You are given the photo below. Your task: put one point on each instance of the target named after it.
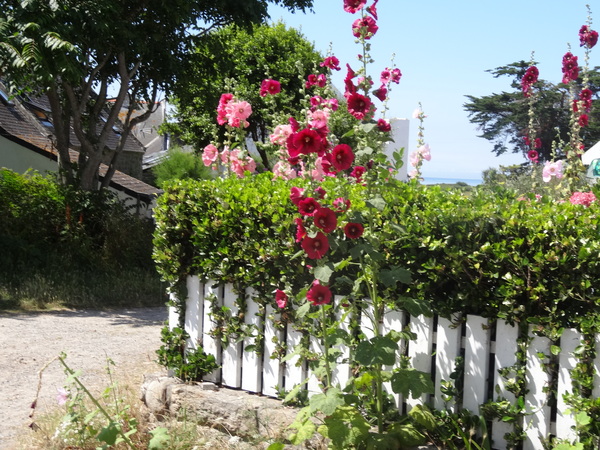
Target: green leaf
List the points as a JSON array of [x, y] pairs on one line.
[[378, 350], [276, 446], [407, 434], [323, 273], [555, 350], [160, 438], [424, 417], [391, 277], [109, 434], [414, 306], [415, 382], [376, 202], [346, 427], [304, 425], [327, 402], [303, 310]]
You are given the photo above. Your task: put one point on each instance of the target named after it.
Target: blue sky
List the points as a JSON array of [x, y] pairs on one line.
[[443, 49]]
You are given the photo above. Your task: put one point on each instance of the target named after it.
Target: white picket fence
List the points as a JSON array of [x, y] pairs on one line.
[[439, 342]]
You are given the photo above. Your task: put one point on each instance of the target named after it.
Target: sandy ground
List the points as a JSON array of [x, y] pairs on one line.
[[29, 341]]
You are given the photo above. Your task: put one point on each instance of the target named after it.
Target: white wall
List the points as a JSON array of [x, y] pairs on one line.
[[400, 128]]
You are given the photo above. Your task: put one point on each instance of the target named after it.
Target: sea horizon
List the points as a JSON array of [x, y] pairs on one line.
[[440, 180]]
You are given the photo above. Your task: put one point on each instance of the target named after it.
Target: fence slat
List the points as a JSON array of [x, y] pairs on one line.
[[209, 343], [505, 356], [295, 373], [272, 373], [477, 354], [341, 374], [419, 351], [448, 346], [251, 362], [537, 424], [194, 308], [596, 390], [569, 341], [392, 321], [232, 361]]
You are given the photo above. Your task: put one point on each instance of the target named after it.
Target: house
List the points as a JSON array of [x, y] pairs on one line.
[[26, 142]]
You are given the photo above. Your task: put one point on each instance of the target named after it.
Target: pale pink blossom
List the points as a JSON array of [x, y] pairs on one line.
[[282, 169], [280, 134], [62, 396], [552, 169], [318, 118], [413, 173], [425, 152], [237, 113], [414, 159], [209, 154]]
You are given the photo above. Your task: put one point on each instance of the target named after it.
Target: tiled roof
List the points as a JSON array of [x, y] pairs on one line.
[[19, 125]]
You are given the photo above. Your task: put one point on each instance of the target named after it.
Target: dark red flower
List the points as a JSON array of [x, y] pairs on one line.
[[358, 172], [300, 230], [304, 142], [325, 219], [531, 76], [354, 230], [584, 120], [570, 68], [365, 27], [307, 206], [281, 298], [269, 86], [359, 105], [341, 204], [320, 192], [373, 9], [318, 294], [587, 38], [533, 156], [316, 247], [381, 93], [296, 194], [384, 126], [342, 157], [352, 6], [331, 62]]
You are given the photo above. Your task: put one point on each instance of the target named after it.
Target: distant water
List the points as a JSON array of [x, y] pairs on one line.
[[469, 181]]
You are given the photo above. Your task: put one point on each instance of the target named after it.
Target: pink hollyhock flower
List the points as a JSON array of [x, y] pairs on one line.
[[269, 86], [381, 93], [349, 85], [531, 76], [583, 120], [318, 118], [425, 152], [533, 156], [341, 204], [209, 154], [296, 194], [582, 198], [587, 37], [413, 173], [325, 219], [237, 113], [308, 206], [221, 112], [552, 169], [354, 230], [384, 126], [319, 172], [396, 75], [282, 169], [414, 158], [537, 143], [342, 157], [62, 396], [359, 105], [250, 165], [294, 124], [281, 298], [358, 172], [373, 9], [316, 101], [365, 27], [311, 80], [318, 294], [333, 104], [320, 192], [280, 134], [386, 76], [316, 247], [331, 62], [300, 230], [352, 6], [304, 142]]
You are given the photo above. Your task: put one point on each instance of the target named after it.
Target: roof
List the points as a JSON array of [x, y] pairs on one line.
[[591, 154], [22, 126]]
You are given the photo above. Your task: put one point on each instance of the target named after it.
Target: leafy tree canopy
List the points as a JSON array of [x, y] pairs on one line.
[[74, 50], [235, 59], [504, 118]]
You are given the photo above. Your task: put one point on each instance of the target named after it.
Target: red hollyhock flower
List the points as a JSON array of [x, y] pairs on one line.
[[530, 77], [359, 105], [354, 230], [325, 219], [358, 172], [269, 86], [320, 192], [318, 294], [352, 6], [533, 156], [306, 141], [537, 143], [331, 62], [396, 75], [365, 28], [281, 298], [587, 38], [308, 206], [381, 93], [584, 120], [316, 247], [373, 9], [341, 204], [300, 230], [296, 194], [342, 157], [384, 126], [570, 68]]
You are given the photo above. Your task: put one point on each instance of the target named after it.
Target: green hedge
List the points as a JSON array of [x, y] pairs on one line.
[[480, 253]]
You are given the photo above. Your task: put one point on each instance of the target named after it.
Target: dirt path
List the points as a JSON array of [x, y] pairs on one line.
[[28, 341]]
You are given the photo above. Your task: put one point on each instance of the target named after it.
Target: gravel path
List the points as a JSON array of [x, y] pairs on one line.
[[28, 341]]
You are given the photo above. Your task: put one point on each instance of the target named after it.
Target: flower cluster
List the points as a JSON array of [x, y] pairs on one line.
[[582, 198], [233, 112], [570, 68], [235, 159], [552, 169], [588, 38], [529, 79], [423, 152]]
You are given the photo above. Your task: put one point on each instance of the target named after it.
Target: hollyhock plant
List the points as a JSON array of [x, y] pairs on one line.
[[396, 75], [342, 157], [325, 219], [331, 62], [270, 87], [570, 68], [281, 298], [237, 112], [352, 6], [529, 79], [354, 230], [552, 169], [315, 247], [359, 106], [364, 28], [319, 294], [588, 38]]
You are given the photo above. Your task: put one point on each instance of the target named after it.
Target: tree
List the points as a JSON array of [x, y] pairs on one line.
[[77, 51], [504, 118], [238, 59]]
